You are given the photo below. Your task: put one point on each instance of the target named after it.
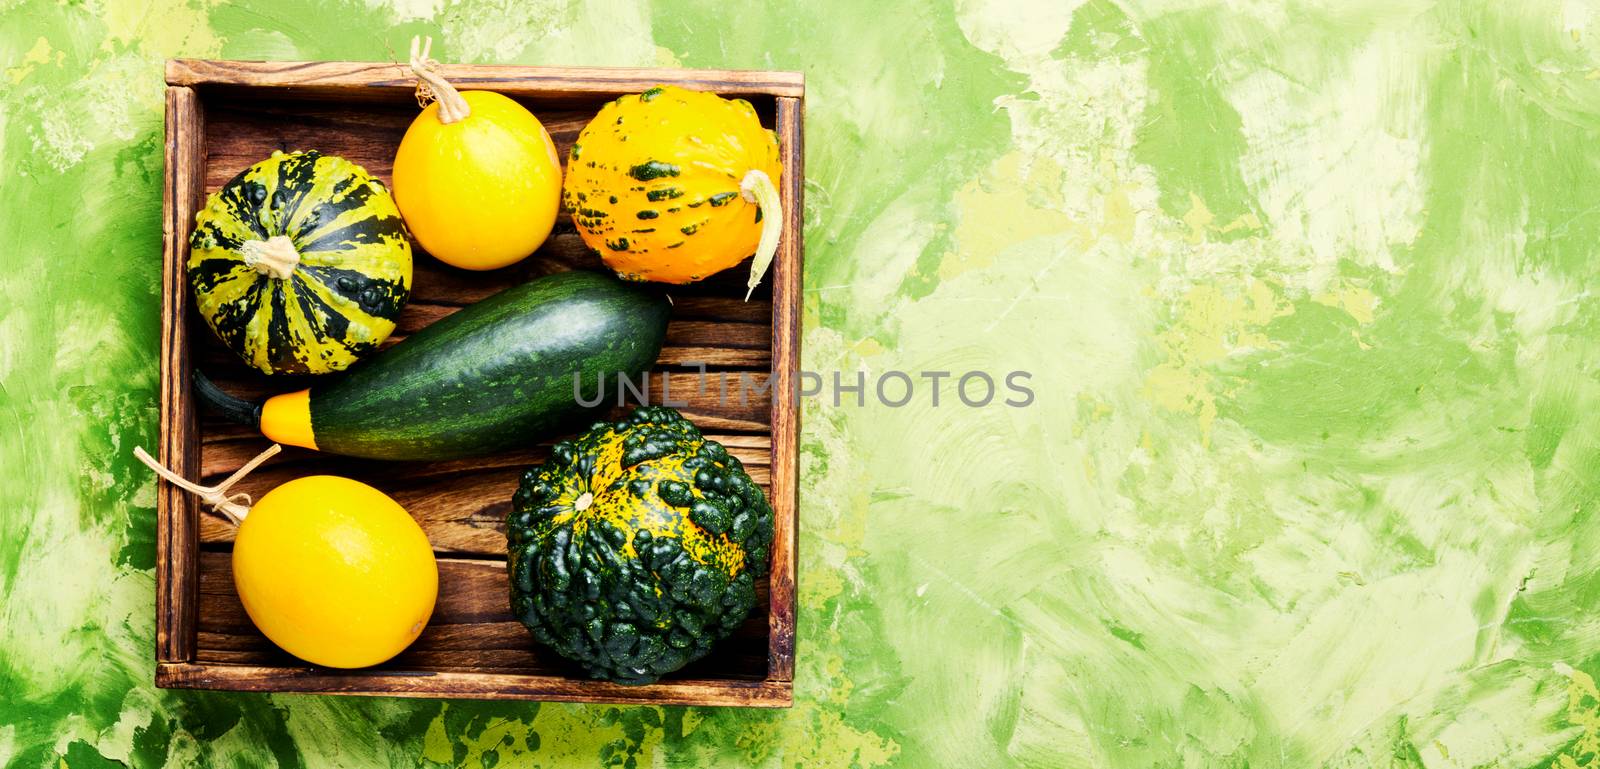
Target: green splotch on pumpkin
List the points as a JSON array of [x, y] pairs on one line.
[[652, 169]]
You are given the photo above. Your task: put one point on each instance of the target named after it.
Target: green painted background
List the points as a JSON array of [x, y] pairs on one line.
[[1308, 290]]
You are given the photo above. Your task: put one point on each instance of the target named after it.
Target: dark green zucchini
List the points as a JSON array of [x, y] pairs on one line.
[[495, 375]]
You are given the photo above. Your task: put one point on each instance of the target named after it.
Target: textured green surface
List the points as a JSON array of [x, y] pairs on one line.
[[1308, 294], [485, 378], [637, 547]]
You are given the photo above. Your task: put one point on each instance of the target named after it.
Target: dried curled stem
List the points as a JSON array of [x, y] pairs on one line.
[[234, 506], [432, 85]]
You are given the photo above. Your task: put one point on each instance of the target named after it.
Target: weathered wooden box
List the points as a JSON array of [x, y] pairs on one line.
[[223, 116]]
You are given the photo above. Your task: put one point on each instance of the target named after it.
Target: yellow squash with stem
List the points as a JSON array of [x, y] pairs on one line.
[[674, 186], [331, 570], [476, 176]]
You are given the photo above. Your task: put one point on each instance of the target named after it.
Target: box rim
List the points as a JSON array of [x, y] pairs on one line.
[[516, 78], [186, 672], [699, 692]]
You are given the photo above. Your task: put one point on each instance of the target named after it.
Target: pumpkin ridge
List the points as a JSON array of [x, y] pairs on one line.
[[350, 208], [371, 229], [236, 202], [336, 324], [277, 351], [230, 322], [391, 294], [637, 587], [336, 216], [295, 177]]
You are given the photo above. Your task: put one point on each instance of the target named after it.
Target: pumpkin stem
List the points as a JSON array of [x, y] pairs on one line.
[[274, 256], [216, 496], [758, 188], [452, 108]]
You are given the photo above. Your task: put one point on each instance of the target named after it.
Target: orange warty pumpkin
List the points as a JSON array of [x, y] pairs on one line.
[[674, 186]]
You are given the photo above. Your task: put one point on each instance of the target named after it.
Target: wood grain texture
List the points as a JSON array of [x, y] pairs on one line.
[[784, 471], [476, 685], [718, 344], [473, 647], [471, 629], [176, 510], [351, 79], [461, 505]]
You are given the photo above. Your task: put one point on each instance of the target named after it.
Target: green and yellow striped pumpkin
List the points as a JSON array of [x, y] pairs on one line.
[[301, 263]]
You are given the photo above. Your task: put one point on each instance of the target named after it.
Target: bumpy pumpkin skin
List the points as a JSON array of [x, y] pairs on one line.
[[653, 183], [353, 278], [637, 546]]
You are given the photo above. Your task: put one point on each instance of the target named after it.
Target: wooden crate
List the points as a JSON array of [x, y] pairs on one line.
[[223, 116]]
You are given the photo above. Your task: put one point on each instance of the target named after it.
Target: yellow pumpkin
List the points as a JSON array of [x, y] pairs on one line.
[[331, 570], [335, 572], [673, 185], [476, 177]]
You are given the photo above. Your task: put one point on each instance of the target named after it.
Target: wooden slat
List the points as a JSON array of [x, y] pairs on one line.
[[228, 446], [461, 505], [724, 358], [472, 592], [753, 336], [352, 78], [179, 447], [786, 298], [724, 308], [484, 686], [471, 629], [438, 283], [716, 340], [714, 357]]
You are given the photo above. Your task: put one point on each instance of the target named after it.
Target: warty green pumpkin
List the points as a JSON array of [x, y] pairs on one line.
[[637, 546], [300, 264]]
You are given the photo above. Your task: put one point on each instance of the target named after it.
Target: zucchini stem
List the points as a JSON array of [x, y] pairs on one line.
[[452, 108], [236, 410], [758, 188], [232, 506]]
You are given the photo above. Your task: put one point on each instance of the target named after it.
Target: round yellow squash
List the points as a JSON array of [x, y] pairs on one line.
[[334, 572], [331, 570], [673, 185], [476, 176]]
